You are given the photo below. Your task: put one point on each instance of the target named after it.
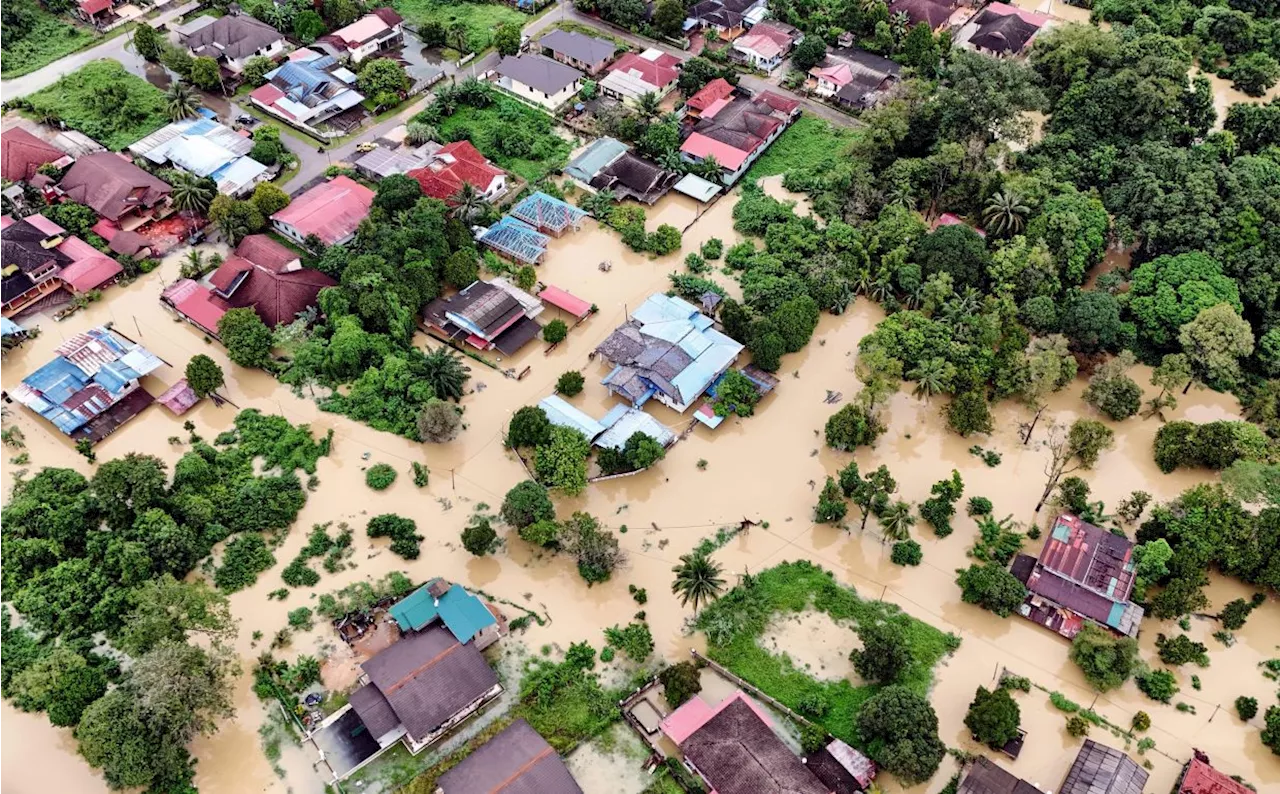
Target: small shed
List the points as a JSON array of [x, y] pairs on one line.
[[179, 398], [697, 188], [561, 299], [841, 768]]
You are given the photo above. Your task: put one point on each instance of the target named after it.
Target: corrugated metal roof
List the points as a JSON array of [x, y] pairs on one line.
[[697, 188], [599, 154], [562, 414], [237, 175], [629, 422], [464, 614]]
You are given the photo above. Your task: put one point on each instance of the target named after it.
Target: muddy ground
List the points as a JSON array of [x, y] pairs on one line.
[[762, 468]]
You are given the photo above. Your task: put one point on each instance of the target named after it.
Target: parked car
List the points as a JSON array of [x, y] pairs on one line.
[[367, 146]]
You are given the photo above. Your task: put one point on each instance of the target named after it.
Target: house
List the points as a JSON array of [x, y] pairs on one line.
[[538, 79], [733, 748], [516, 761], [1001, 30], [456, 164], [854, 78], [331, 211], [374, 32], [262, 275], [634, 75], [439, 602], [179, 398], [766, 45], [842, 769], [22, 154], [487, 315], [623, 421], [726, 17], [1199, 777], [233, 39], [933, 13], [566, 302], [116, 189], [548, 214], [204, 147], [710, 99], [737, 132], [95, 12], [585, 53], [1098, 769], [668, 350], [308, 89], [91, 387], [608, 165], [561, 413], [413, 692], [1084, 573], [39, 259], [385, 161]]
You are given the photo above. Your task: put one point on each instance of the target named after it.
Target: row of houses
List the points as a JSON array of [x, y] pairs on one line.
[[998, 29]]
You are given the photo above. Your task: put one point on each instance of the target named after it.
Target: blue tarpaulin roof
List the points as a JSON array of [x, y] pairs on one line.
[[461, 612]]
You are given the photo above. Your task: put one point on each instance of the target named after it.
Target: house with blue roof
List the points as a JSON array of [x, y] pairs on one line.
[[92, 386], [668, 350], [307, 90], [203, 147], [468, 618]]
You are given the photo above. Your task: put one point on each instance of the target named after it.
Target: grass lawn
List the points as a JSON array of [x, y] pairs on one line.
[[103, 101], [50, 38], [735, 623], [480, 19], [489, 127], [586, 30], [810, 142]]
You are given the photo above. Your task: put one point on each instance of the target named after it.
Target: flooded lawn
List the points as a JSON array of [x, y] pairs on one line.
[[816, 644], [611, 764], [758, 468]]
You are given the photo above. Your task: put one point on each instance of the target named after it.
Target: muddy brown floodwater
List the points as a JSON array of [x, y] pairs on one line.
[[760, 468]]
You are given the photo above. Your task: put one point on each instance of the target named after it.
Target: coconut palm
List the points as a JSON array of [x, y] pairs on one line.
[[899, 25], [456, 37], [467, 201], [708, 169], [697, 579], [932, 376], [897, 521], [180, 101], [444, 371], [901, 195], [1005, 213], [190, 193], [648, 105], [671, 161], [418, 133]]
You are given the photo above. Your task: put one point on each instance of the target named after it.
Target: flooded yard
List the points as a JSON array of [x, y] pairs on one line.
[[760, 468]]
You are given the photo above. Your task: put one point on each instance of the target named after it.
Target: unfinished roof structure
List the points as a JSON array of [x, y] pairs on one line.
[[1083, 573], [516, 239], [668, 350], [548, 214], [734, 749], [486, 315], [91, 387], [516, 761]]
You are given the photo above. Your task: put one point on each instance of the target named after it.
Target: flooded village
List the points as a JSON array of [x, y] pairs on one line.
[[483, 661]]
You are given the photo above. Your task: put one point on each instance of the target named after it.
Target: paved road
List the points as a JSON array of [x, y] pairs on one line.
[[120, 48]]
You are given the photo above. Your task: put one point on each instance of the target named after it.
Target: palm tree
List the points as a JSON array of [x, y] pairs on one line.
[[698, 580], [709, 168], [467, 201], [180, 101], [444, 371], [901, 195], [897, 521], [457, 38], [932, 376], [648, 106], [418, 133], [671, 161], [190, 194], [1005, 213], [899, 25]]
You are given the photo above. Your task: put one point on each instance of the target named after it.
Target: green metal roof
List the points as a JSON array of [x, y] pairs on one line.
[[461, 612]]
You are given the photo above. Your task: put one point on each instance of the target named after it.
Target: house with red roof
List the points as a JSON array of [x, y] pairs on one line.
[[262, 275], [454, 165], [1199, 777], [39, 260], [710, 98], [95, 12], [331, 211], [379, 30], [737, 132], [766, 45], [636, 74], [831, 78], [116, 189], [22, 154]]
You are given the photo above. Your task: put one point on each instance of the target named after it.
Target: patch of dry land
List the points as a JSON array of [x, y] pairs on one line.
[[758, 468]]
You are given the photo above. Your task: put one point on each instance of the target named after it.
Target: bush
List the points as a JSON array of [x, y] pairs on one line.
[[993, 717], [525, 504], [301, 618], [402, 531], [1181, 649], [851, 427], [813, 705], [680, 682], [664, 240], [1107, 661], [570, 383], [1078, 726], [555, 331], [1271, 733], [1246, 707], [478, 536], [991, 587], [421, 474], [1141, 721], [540, 533], [1213, 445], [832, 507], [884, 654], [380, 476], [712, 249], [906, 552], [1157, 684], [979, 506], [243, 559], [635, 640]]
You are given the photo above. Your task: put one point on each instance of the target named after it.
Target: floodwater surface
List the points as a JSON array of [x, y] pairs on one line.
[[765, 468]]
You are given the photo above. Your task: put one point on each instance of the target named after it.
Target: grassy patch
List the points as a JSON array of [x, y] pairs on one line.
[[808, 143], [103, 101], [735, 623], [565, 704], [586, 30], [49, 39], [485, 127], [480, 19]]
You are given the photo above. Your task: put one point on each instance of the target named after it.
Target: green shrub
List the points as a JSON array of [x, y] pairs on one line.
[[1078, 726], [906, 552], [402, 531], [301, 618], [570, 383], [243, 559], [680, 682], [1157, 684], [1246, 707], [421, 475], [555, 331], [634, 640], [979, 506], [1141, 721], [380, 476], [712, 249]]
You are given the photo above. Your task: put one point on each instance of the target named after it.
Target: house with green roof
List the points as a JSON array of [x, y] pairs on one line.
[[468, 618]]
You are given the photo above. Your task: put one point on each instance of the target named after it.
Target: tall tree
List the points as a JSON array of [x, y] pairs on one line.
[[1076, 449], [698, 579]]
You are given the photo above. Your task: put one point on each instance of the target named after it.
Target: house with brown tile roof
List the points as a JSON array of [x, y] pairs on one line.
[[39, 260], [233, 39], [516, 761], [487, 315], [736, 132], [456, 164], [115, 188], [22, 154]]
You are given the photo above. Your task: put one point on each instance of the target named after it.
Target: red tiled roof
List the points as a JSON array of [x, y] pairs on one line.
[[839, 74], [717, 89], [92, 7], [700, 146], [76, 248], [659, 72], [278, 297], [442, 179], [228, 271], [388, 15], [331, 211], [777, 101], [43, 224], [200, 309], [766, 40], [1201, 778], [263, 251], [91, 273], [22, 153]]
